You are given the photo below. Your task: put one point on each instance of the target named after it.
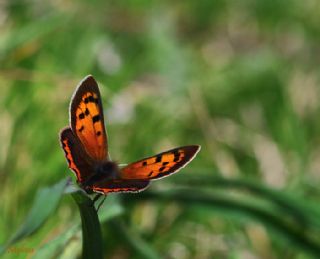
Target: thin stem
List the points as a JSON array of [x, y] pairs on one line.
[[91, 230]]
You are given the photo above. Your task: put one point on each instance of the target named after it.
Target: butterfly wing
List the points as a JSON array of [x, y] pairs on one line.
[[79, 162], [85, 143], [120, 185], [82, 165], [160, 165], [86, 116]]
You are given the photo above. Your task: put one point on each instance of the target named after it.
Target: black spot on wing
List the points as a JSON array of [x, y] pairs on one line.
[[165, 163], [162, 168], [98, 133], [87, 112], [144, 163], [91, 99], [96, 118], [158, 159], [81, 129], [176, 156], [81, 116]]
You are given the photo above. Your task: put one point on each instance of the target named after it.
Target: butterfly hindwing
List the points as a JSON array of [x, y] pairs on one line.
[[120, 185], [160, 165], [78, 160], [86, 116]]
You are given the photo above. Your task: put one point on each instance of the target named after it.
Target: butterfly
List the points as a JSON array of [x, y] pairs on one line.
[[85, 145]]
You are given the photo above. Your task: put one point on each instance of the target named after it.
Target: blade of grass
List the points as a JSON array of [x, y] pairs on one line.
[[143, 249], [45, 203], [277, 222], [55, 247], [91, 230], [304, 213]]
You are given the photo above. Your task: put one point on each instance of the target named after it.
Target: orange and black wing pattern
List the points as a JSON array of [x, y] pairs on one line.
[[86, 119], [161, 165], [79, 162], [86, 149], [83, 167], [119, 185]]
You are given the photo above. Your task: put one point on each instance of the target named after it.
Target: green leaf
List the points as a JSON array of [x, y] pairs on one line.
[[55, 246], [109, 210], [45, 203]]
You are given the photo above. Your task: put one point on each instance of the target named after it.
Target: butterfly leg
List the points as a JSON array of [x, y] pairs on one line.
[[96, 198], [102, 201]]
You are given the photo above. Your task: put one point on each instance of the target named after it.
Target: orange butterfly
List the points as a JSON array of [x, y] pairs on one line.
[[86, 149]]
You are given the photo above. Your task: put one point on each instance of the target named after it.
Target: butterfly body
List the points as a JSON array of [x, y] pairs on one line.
[[102, 171], [86, 149]]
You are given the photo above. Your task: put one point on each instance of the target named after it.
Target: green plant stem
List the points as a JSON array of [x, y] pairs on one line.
[[91, 230]]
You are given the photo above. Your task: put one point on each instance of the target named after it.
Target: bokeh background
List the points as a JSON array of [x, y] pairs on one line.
[[240, 78]]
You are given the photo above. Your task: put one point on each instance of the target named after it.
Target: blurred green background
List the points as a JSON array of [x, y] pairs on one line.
[[240, 78]]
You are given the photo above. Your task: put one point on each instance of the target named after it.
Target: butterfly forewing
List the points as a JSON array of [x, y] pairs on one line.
[[160, 165], [87, 122], [79, 162]]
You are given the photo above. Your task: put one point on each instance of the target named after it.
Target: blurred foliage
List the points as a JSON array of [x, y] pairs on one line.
[[239, 78]]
